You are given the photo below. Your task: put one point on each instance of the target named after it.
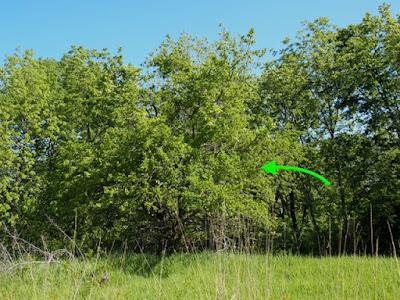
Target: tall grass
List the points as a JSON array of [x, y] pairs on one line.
[[203, 276], [31, 272]]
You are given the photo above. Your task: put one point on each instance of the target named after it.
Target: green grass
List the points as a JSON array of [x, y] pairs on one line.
[[205, 276]]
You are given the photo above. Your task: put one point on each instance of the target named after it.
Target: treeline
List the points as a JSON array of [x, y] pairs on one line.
[[94, 151]]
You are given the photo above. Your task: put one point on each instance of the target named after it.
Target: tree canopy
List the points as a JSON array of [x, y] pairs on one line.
[[168, 156]]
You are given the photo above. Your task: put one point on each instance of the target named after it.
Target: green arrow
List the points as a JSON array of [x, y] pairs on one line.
[[272, 167]]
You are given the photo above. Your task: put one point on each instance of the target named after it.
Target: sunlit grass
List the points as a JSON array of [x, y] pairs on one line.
[[205, 276]]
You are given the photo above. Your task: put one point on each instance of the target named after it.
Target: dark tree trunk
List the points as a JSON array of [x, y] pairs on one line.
[[295, 228]]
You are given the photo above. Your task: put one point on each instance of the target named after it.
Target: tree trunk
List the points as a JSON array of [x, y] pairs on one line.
[[295, 228]]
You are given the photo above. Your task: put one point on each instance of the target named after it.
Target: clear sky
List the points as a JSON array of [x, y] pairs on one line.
[[51, 27]]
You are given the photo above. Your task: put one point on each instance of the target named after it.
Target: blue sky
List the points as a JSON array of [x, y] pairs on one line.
[[51, 27]]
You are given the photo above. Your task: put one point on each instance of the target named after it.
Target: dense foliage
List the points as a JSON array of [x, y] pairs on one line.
[[167, 156]]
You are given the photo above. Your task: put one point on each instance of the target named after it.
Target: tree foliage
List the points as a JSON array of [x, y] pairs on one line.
[[168, 157]]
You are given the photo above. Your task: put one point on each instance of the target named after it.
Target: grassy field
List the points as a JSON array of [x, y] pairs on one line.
[[203, 276]]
